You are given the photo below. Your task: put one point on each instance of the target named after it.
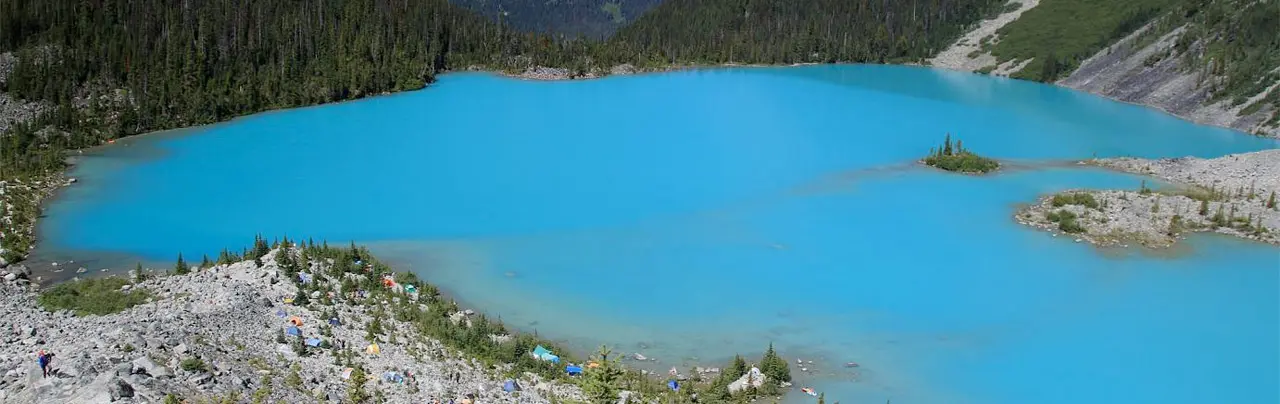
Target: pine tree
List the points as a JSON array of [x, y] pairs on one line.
[[355, 386], [205, 263], [181, 267], [601, 385], [774, 366], [138, 275], [738, 368], [946, 145], [822, 398], [260, 247], [1271, 201], [1204, 207], [224, 258]]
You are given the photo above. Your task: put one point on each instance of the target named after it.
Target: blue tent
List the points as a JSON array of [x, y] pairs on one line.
[[281, 313], [673, 385], [573, 370], [510, 386], [304, 277], [545, 354], [334, 321], [294, 331], [313, 342]]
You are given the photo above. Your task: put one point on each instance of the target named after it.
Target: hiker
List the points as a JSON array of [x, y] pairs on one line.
[[43, 358]]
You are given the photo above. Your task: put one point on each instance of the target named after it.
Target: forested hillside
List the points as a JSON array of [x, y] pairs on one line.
[[792, 31], [154, 64], [594, 19]]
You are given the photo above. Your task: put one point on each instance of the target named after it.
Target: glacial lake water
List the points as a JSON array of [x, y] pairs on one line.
[[697, 214]]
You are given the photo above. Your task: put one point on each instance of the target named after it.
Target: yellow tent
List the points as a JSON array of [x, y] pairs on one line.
[[373, 349]]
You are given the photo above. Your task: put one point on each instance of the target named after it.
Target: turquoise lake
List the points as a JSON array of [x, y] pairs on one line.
[[697, 214]]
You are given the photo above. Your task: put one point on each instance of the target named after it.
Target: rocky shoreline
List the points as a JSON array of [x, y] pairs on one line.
[[232, 318], [20, 204], [1233, 195]]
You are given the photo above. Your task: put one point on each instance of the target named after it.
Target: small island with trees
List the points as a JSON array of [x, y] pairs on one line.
[[957, 158]]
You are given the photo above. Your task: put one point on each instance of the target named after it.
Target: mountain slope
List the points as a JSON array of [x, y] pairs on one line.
[[589, 18], [1211, 61], [795, 31]]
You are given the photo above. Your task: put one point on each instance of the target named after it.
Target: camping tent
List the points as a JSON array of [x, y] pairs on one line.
[[545, 354], [313, 342], [304, 277], [573, 370], [393, 377], [673, 385], [334, 321], [510, 386], [346, 373], [294, 331], [373, 349], [295, 320], [410, 289], [281, 313]]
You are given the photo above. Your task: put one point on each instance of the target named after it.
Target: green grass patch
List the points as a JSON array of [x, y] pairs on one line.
[[1075, 198], [92, 296], [1059, 34]]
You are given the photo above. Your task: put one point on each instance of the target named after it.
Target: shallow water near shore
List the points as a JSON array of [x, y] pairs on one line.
[[693, 215]]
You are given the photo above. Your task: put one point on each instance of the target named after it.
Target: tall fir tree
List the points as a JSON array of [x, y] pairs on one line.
[[602, 383], [181, 266]]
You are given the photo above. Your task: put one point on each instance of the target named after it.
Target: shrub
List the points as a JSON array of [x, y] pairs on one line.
[[1059, 215], [194, 364], [92, 296], [1069, 225], [1075, 198]]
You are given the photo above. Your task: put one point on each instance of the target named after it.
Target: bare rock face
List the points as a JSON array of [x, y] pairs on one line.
[[1154, 75]]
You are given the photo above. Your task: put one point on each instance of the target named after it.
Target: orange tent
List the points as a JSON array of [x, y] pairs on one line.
[[592, 365], [295, 320]]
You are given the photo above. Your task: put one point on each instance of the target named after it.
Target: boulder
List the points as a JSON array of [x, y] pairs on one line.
[[11, 277], [753, 378], [119, 389], [202, 379], [145, 366]]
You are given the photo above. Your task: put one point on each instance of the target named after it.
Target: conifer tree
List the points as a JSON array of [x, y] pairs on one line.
[[946, 145], [738, 368], [355, 386], [138, 275], [1204, 207], [181, 267], [1271, 201], [602, 382], [204, 262], [774, 366]]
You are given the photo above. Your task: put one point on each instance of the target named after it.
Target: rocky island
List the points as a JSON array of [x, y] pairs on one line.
[[1233, 194], [958, 159]]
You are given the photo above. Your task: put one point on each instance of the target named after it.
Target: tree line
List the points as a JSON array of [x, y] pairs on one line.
[[114, 68]]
